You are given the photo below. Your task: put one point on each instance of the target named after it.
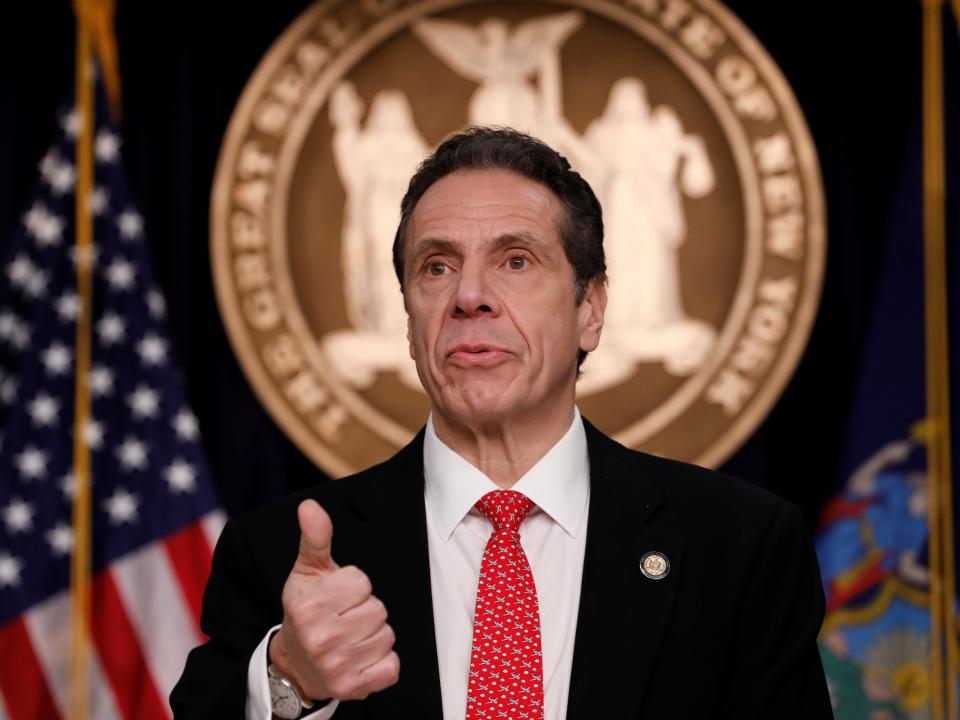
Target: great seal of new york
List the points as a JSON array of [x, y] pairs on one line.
[[681, 121]]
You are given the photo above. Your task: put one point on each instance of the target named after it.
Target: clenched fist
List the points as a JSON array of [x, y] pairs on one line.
[[335, 641]]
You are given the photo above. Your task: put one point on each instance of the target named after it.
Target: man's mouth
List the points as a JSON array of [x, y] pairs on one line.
[[476, 355]]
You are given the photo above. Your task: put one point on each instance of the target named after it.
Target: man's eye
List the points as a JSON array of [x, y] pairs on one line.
[[437, 268], [517, 262]]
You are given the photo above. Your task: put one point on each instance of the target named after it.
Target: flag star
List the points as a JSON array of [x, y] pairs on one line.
[[45, 227], [61, 539], [18, 516], [32, 463], [156, 303], [62, 178], [71, 122], [43, 410], [186, 425], [68, 486], [144, 402], [8, 390], [10, 568], [101, 381], [120, 274], [36, 285], [20, 270], [35, 215], [93, 434], [8, 324], [21, 336], [57, 358], [49, 163], [130, 225], [132, 454], [50, 231], [106, 146], [152, 350], [68, 306], [24, 273], [121, 507], [181, 476], [111, 328], [99, 201]]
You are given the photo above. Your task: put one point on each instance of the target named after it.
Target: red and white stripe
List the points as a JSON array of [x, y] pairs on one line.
[[146, 618]]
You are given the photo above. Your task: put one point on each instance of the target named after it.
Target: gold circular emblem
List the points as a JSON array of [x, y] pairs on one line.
[[654, 565], [683, 125]]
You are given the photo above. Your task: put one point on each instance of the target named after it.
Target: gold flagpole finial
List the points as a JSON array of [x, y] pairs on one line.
[[98, 17]]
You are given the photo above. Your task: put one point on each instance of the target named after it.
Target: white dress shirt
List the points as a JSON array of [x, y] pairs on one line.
[[553, 537]]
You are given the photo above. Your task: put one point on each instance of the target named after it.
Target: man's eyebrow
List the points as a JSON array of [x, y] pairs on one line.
[[433, 245], [520, 238]]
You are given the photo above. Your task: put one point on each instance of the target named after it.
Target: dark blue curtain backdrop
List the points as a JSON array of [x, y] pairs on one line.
[[855, 67]]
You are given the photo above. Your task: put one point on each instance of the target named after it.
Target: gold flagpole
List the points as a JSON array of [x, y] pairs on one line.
[[80, 566], [944, 656], [95, 36]]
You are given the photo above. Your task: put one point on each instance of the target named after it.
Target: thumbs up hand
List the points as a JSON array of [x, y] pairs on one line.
[[334, 641]]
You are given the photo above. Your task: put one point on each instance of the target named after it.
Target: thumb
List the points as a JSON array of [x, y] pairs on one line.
[[316, 532]]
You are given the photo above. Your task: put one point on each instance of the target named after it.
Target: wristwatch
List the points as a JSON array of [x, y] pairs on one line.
[[285, 699]]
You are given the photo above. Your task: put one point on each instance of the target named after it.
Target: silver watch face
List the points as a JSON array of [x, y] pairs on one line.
[[283, 700]]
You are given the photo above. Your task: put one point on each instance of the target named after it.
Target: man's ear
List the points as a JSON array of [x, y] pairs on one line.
[[409, 336], [590, 313]]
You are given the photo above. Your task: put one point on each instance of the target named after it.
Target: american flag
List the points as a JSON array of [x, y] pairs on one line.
[[155, 514]]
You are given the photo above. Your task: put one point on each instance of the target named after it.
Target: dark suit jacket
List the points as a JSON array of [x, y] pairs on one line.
[[730, 632]]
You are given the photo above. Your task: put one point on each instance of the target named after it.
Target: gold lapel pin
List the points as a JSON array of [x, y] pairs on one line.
[[655, 565]]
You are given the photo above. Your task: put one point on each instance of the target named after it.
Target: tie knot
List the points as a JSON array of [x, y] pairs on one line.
[[505, 509]]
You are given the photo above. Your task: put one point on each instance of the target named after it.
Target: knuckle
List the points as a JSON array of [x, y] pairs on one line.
[[393, 667], [295, 614], [390, 636], [347, 688], [338, 689], [331, 666], [348, 573], [379, 609], [320, 642], [358, 580], [330, 586]]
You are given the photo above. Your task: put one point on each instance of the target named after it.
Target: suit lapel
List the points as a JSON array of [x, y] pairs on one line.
[[400, 569], [622, 613]]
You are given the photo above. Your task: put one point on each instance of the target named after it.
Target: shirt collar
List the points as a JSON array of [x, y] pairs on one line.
[[558, 484]]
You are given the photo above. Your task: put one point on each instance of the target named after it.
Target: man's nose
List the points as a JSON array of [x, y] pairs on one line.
[[474, 294]]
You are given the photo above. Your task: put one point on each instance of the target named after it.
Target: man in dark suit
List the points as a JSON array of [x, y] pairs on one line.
[[639, 587]]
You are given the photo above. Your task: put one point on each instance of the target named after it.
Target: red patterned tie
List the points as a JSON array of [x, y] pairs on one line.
[[506, 665]]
